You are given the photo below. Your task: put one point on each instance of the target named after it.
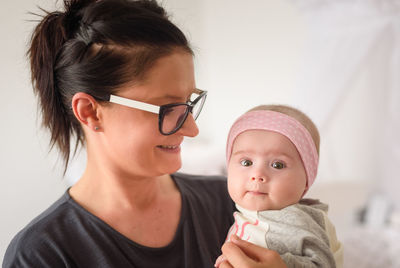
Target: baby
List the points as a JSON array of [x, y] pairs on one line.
[[272, 161]]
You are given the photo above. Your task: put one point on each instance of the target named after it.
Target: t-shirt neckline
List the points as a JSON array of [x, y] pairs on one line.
[[178, 231]]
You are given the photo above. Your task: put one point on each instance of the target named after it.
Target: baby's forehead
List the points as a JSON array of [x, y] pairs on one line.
[[259, 136], [262, 141]]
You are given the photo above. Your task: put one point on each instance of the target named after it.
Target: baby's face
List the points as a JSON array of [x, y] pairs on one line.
[[265, 171]]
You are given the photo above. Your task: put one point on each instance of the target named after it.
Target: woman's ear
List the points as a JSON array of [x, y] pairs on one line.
[[85, 109]]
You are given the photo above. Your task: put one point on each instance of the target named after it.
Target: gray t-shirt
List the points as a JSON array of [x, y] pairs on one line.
[[67, 235]]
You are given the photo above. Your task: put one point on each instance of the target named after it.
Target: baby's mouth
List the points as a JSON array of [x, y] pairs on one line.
[[256, 193]]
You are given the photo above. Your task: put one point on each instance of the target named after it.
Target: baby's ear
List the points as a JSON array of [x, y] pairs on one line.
[[305, 190]]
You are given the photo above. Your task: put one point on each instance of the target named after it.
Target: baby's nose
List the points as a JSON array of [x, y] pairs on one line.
[[259, 179]]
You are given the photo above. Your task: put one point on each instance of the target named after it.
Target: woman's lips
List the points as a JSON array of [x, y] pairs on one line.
[[170, 148]]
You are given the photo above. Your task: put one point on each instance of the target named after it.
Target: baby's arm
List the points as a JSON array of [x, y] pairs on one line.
[[302, 236], [315, 253]]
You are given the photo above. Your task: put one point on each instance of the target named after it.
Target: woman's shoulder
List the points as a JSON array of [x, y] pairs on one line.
[[41, 243], [52, 214], [41, 237]]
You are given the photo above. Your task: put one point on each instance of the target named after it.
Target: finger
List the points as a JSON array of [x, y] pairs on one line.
[[225, 264], [219, 260], [257, 253], [235, 256]]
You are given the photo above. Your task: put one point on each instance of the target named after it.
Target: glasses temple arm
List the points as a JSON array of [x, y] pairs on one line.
[[135, 104]]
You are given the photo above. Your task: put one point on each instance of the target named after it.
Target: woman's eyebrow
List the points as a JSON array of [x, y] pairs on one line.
[[174, 98], [170, 98]]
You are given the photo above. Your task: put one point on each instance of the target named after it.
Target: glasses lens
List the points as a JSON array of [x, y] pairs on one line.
[[198, 106], [174, 116]]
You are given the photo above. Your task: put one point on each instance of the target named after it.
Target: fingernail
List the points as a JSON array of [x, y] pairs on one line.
[[235, 238], [219, 261]]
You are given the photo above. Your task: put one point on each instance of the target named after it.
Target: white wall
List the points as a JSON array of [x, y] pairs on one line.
[[29, 179], [245, 55]]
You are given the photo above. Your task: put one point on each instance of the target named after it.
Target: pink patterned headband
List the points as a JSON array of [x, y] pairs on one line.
[[285, 125]]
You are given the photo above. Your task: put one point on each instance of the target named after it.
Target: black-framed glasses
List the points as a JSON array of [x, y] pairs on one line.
[[171, 117]]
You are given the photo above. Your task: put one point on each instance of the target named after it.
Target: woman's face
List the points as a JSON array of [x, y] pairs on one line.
[[265, 171], [131, 138]]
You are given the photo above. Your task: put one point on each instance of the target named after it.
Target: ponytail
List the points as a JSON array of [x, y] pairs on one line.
[[47, 41]]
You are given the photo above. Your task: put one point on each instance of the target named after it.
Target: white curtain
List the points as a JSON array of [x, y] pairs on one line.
[[354, 45]]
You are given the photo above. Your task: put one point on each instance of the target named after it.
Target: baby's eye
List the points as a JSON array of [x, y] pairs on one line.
[[278, 165], [246, 163]]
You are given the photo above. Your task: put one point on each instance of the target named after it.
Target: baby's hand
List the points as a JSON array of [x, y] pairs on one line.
[[219, 260]]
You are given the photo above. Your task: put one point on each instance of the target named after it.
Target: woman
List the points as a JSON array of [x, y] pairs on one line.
[[117, 76]]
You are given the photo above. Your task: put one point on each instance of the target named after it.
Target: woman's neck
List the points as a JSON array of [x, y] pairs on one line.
[[144, 209], [102, 189]]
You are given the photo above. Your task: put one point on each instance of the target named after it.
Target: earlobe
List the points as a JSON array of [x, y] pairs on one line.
[[305, 191], [85, 109]]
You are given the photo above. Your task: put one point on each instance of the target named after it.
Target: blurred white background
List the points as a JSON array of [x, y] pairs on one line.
[[336, 60]]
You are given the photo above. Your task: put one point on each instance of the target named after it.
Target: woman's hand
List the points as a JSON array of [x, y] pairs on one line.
[[242, 254]]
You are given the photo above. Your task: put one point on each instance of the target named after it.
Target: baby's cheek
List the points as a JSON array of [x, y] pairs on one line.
[[235, 191], [291, 195]]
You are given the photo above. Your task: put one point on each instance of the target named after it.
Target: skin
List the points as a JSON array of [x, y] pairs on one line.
[[126, 181], [265, 171]]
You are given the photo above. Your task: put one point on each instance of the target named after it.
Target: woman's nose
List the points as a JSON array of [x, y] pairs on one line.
[[189, 127]]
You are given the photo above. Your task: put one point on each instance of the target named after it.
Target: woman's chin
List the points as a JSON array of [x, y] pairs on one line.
[[172, 166]]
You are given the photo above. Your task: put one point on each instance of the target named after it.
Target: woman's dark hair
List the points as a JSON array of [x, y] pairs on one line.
[[96, 47]]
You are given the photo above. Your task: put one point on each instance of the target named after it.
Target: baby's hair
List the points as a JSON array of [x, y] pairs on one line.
[[296, 114]]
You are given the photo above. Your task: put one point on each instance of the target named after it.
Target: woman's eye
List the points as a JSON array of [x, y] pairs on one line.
[[278, 165], [246, 163], [168, 110]]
